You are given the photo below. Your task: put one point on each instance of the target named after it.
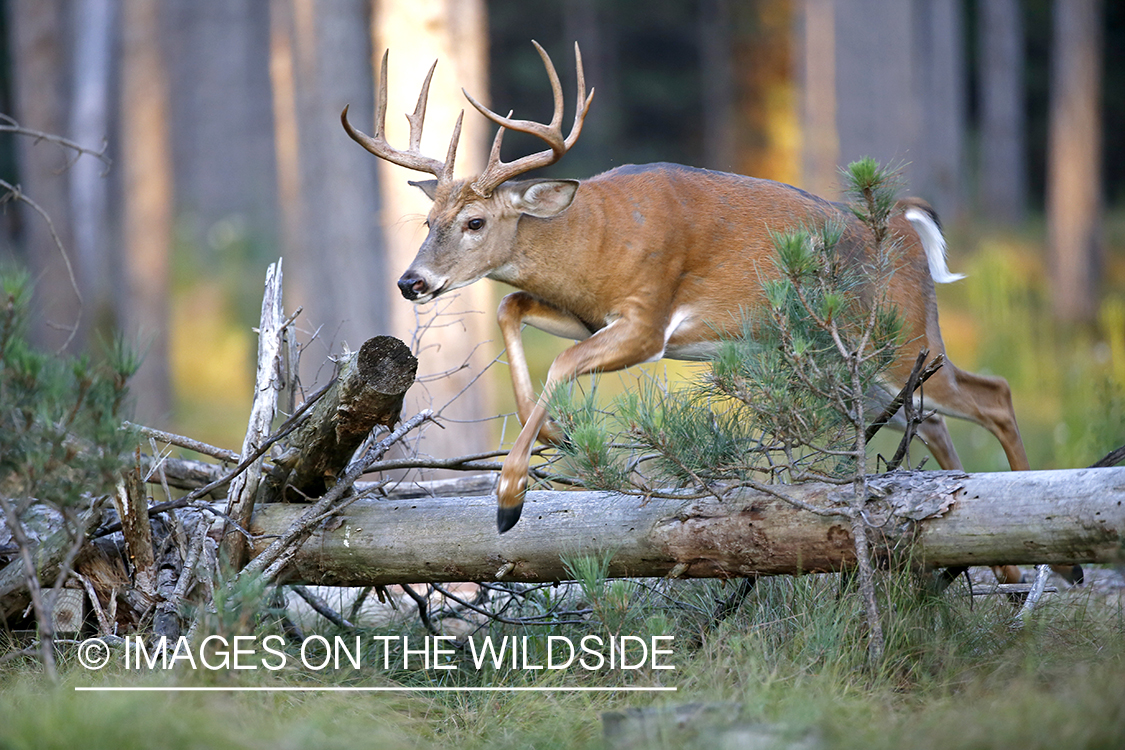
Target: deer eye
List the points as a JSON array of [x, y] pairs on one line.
[[475, 224]]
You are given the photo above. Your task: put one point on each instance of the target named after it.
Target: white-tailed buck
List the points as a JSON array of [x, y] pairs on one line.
[[644, 262]]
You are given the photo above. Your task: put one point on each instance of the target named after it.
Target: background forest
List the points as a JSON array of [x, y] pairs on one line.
[[203, 142], [220, 124]]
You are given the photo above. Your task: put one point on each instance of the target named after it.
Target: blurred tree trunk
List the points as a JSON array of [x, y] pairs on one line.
[[450, 334], [95, 27], [885, 80], [877, 109], [39, 36], [821, 141], [716, 67], [146, 231], [221, 121], [1074, 199], [1003, 157], [584, 21], [936, 171], [320, 61]]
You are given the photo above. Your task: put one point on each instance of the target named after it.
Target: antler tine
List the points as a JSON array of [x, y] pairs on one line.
[[419, 115], [556, 87], [497, 171], [494, 154], [447, 173], [381, 99], [412, 158], [584, 101]]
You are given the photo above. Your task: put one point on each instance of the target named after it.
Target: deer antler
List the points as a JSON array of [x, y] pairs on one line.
[[411, 158], [498, 172]]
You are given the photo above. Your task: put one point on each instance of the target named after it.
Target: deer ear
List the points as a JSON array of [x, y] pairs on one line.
[[543, 198], [429, 187]]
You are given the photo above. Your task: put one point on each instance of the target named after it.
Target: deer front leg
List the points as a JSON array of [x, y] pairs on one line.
[[519, 308], [623, 343]]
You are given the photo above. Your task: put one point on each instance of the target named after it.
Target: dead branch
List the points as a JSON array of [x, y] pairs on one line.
[[423, 608], [267, 384], [132, 509], [321, 607], [43, 614], [9, 125], [1042, 572], [1112, 458], [15, 193], [198, 446], [197, 467], [46, 557], [912, 384], [909, 416]]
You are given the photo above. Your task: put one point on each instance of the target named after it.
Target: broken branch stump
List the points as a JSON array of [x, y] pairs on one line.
[[369, 389]]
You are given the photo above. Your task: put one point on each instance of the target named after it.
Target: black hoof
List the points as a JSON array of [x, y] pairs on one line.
[[506, 517]]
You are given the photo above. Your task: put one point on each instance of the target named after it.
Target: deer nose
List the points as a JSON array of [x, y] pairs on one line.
[[412, 286]]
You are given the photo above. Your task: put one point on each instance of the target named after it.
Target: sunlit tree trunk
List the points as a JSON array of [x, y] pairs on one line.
[[1003, 142], [146, 222], [766, 112], [39, 48], [451, 334], [320, 61], [821, 143], [1074, 199]]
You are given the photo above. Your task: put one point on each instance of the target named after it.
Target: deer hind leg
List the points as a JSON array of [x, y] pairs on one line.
[[935, 434], [988, 402], [981, 399]]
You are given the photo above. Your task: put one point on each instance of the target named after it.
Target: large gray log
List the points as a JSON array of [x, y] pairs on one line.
[[1073, 516]]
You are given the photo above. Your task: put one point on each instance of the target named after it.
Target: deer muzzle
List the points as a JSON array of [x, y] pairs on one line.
[[413, 286]]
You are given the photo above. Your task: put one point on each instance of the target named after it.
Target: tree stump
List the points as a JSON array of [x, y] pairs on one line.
[[368, 391]]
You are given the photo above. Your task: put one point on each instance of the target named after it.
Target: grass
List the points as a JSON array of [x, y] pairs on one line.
[[792, 657]]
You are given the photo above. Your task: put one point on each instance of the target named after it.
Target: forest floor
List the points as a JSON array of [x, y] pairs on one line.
[[786, 669]]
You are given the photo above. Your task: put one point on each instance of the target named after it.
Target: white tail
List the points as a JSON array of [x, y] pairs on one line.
[[933, 242]]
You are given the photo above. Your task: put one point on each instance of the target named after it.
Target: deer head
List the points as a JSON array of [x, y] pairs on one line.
[[472, 225]]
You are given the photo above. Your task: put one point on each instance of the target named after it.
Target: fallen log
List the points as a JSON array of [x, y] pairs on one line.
[[49, 539], [942, 518]]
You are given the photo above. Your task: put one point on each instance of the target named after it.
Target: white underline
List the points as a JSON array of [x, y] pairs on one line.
[[433, 689]]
